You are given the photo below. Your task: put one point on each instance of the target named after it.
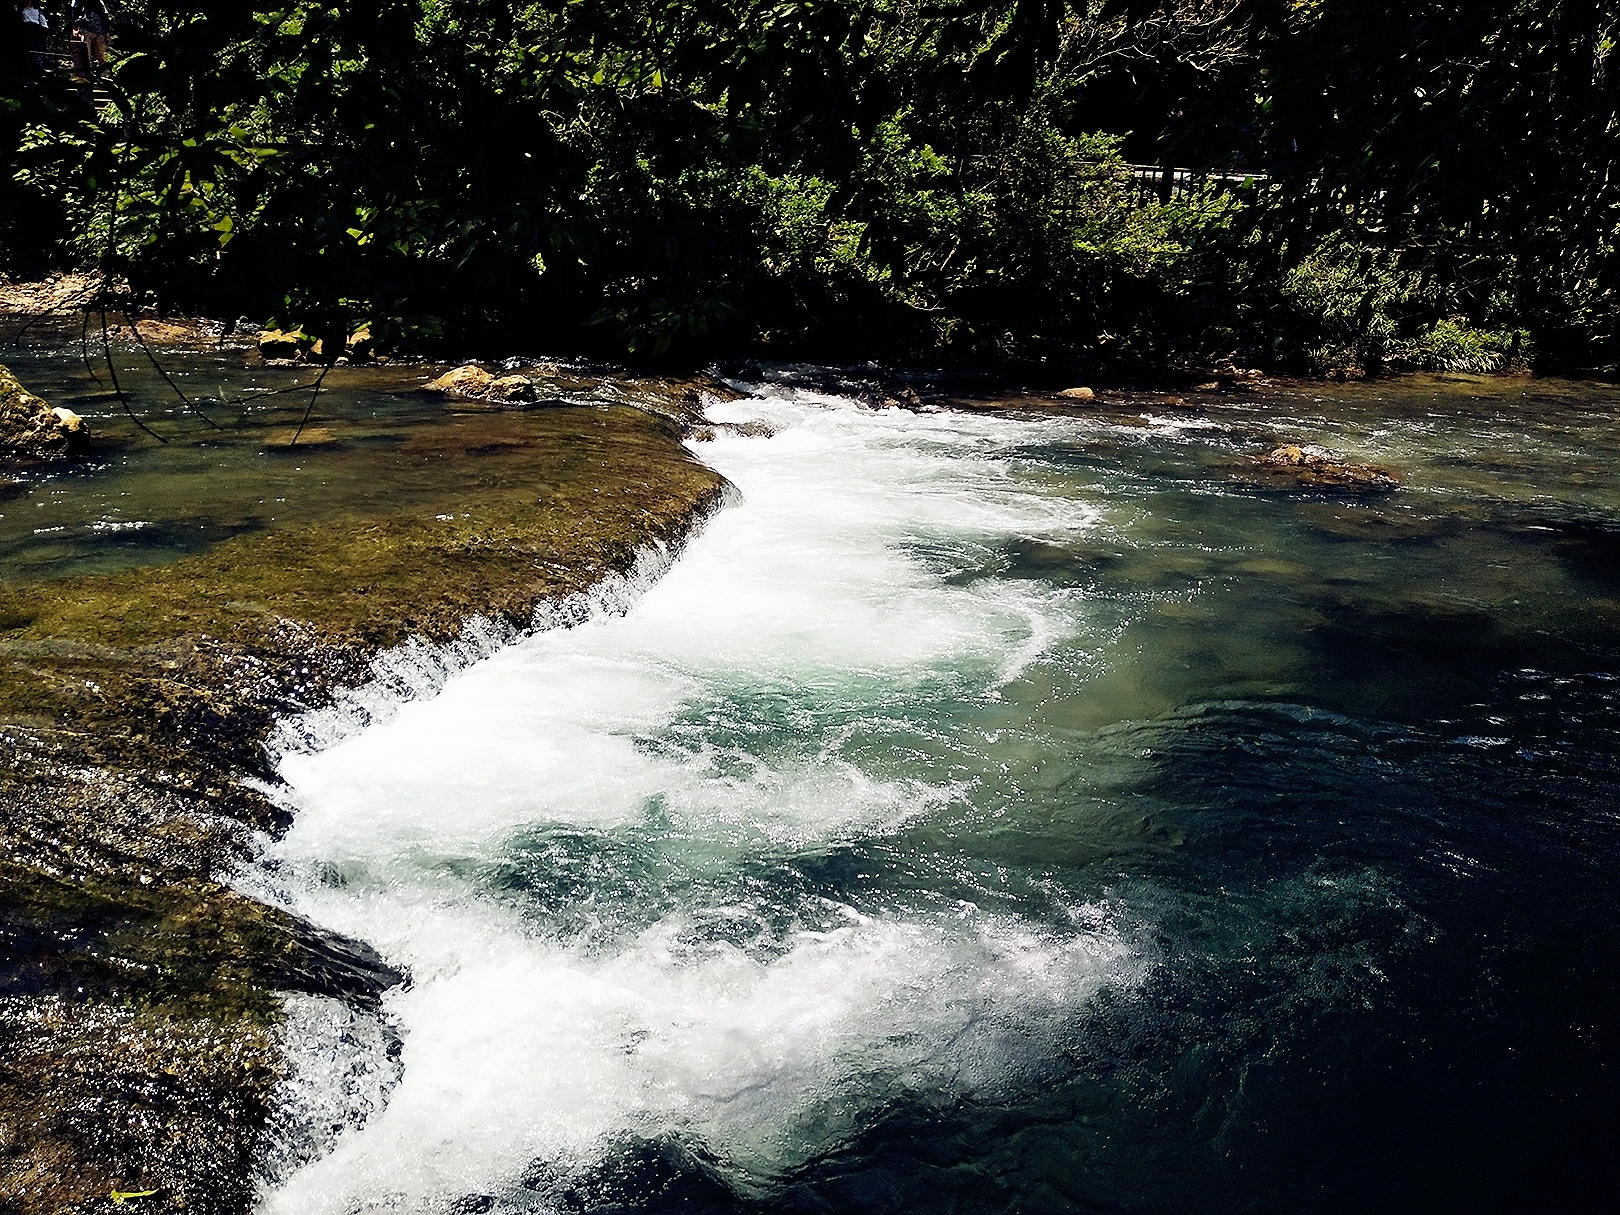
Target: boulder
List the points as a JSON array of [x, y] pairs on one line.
[[361, 347], [31, 429], [72, 423], [284, 343], [511, 389], [1309, 465], [472, 383], [165, 333], [1078, 394], [465, 381]]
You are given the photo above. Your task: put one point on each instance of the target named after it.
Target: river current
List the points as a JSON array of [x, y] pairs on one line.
[[1014, 812]]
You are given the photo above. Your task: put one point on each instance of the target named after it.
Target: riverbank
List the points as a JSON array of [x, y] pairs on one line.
[[138, 688]]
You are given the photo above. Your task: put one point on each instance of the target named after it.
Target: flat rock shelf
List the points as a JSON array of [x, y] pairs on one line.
[[162, 605]]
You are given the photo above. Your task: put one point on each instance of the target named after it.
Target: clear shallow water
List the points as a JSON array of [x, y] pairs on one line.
[[1011, 813], [373, 445]]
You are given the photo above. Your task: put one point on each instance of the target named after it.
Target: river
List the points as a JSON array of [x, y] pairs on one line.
[[1008, 811]]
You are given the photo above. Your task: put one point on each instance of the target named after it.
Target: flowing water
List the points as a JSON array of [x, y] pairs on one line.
[[989, 810], [1008, 811]]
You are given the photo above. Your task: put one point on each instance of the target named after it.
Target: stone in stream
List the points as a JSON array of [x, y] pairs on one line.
[[362, 347], [284, 344], [471, 382], [31, 430], [512, 388], [1078, 394], [1311, 465]]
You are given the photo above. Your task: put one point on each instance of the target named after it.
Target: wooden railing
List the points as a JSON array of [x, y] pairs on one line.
[[62, 59], [1164, 184], [1157, 184]]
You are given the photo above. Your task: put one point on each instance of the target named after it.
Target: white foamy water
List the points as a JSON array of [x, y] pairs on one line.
[[591, 848]]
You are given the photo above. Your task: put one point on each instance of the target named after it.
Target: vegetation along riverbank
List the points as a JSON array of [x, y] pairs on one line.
[[1329, 185]]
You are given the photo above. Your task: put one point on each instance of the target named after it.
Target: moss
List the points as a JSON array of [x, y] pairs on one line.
[[179, 668], [31, 430], [138, 999], [95, 1097]]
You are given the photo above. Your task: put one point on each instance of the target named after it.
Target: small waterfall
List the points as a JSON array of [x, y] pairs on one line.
[[625, 861]]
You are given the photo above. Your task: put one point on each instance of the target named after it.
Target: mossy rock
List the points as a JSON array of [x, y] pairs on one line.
[[31, 430]]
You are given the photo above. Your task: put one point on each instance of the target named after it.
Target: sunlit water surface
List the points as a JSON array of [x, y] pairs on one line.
[[987, 812], [1009, 813]]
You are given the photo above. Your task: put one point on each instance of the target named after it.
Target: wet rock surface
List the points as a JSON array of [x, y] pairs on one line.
[[1309, 465], [284, 344], [470, 386], [138, 989], [101, 1097], [30, 429]]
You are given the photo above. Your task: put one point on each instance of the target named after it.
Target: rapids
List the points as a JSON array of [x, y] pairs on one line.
[[1001, 813]]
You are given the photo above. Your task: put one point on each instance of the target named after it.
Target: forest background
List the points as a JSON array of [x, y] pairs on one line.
[[1427, 184]]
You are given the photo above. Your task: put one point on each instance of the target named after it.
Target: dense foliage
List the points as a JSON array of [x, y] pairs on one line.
[[1436, 180]]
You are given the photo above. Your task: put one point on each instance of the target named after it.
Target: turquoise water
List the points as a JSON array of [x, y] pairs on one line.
[[1009, 811]]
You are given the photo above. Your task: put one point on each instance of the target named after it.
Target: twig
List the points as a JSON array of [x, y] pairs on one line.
[[222, 399], [84, 347], [313, 398], [106, 349], [189, 403]]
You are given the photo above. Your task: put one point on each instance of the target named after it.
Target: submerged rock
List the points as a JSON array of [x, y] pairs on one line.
[[168, 332], [30, 429], [754, 428], [1311, 465]]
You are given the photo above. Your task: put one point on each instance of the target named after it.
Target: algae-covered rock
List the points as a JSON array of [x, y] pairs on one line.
[[101, 1098], [30, 429], [1317, 466], [139, 993]]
